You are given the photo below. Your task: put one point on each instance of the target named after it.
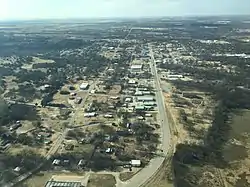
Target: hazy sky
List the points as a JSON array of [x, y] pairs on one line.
[[39, 9]]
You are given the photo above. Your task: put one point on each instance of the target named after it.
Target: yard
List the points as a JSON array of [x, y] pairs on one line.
[[101, 180]]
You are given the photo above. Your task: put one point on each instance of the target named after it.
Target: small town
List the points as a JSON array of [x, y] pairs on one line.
[[149, 102]]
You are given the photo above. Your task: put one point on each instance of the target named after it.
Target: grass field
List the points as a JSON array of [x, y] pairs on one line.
[[102, 180]]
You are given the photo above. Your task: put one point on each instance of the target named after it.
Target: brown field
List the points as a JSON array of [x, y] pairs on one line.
[[126, 176], [115, 90]]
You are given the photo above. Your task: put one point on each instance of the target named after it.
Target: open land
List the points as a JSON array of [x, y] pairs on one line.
[[149, 103]]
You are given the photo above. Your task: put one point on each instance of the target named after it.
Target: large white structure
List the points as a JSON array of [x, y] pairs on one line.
[[145, 99], [135, 163], [89, 115], [136, 67], [84, 85]]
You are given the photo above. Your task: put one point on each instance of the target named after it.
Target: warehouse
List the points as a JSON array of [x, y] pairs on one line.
[[136, 67], [84, 86], [145, 99]]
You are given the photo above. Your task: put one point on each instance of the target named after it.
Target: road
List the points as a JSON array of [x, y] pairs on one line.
[[146, 173]]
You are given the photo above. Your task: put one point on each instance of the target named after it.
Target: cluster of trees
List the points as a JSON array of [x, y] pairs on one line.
[[225, 90]]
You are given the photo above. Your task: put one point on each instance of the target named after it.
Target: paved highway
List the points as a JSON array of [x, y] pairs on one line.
[[146, 173]]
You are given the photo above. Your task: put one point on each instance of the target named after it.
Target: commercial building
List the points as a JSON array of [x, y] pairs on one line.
[[63, 184], [149, 103], [136, 67], [140, 107], [84, 86], [145, 99], [135, 163]]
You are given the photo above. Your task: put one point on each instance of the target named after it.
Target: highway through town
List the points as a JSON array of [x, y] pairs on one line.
[[146, 173]]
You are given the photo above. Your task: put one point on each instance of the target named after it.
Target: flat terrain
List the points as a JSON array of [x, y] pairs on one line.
[[101, 180]]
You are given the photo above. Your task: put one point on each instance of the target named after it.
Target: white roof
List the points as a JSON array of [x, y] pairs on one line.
[[90, 114], [136, 66], [131, 81], [84, 85], [145, 98], [135, 162]]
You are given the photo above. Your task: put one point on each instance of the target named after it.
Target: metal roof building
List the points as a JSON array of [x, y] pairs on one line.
[[145, 98], [63, 184]]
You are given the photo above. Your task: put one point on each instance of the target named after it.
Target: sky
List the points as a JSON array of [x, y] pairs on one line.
[[65, 9]]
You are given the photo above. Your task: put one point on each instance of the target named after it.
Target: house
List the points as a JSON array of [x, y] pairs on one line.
[[146, 93], [148, 115], [81, 163], [17, 169], [131, 81], [109, 150], [140, 107], [108, 116], [73, 94], [149, 104], [56, 162], [89, 115], [128, 99], [140, 117], [114, 97], [138, 93], [135, 163], [84, 85]]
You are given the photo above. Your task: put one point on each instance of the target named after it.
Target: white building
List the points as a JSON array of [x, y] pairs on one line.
[[89, 115], [108, 116], [145, 99], [135, 163], [84, 85], [136, 67], [131, 81]]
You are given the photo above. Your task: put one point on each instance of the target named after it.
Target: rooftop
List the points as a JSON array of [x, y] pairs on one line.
[[63, 184], [136, 66]]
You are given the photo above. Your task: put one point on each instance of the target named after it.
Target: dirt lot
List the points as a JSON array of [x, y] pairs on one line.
[[40, 179], [115, 90], [126, 176], [101, 180]]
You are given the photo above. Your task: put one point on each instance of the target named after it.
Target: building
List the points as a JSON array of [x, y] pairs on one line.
[[140, 107], [56, 162], [89, 115], [108, 116], [138, 93], [84, 86], [131, 81], [135, 163], [150, 103], [128, 99], [81, 163], [148, 115], [143, 99], [63, 184], [136, 67]]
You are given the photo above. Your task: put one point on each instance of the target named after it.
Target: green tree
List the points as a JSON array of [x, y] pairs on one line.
[[4, 112]]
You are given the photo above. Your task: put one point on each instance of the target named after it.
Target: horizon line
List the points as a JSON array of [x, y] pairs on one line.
[[123, 17]]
